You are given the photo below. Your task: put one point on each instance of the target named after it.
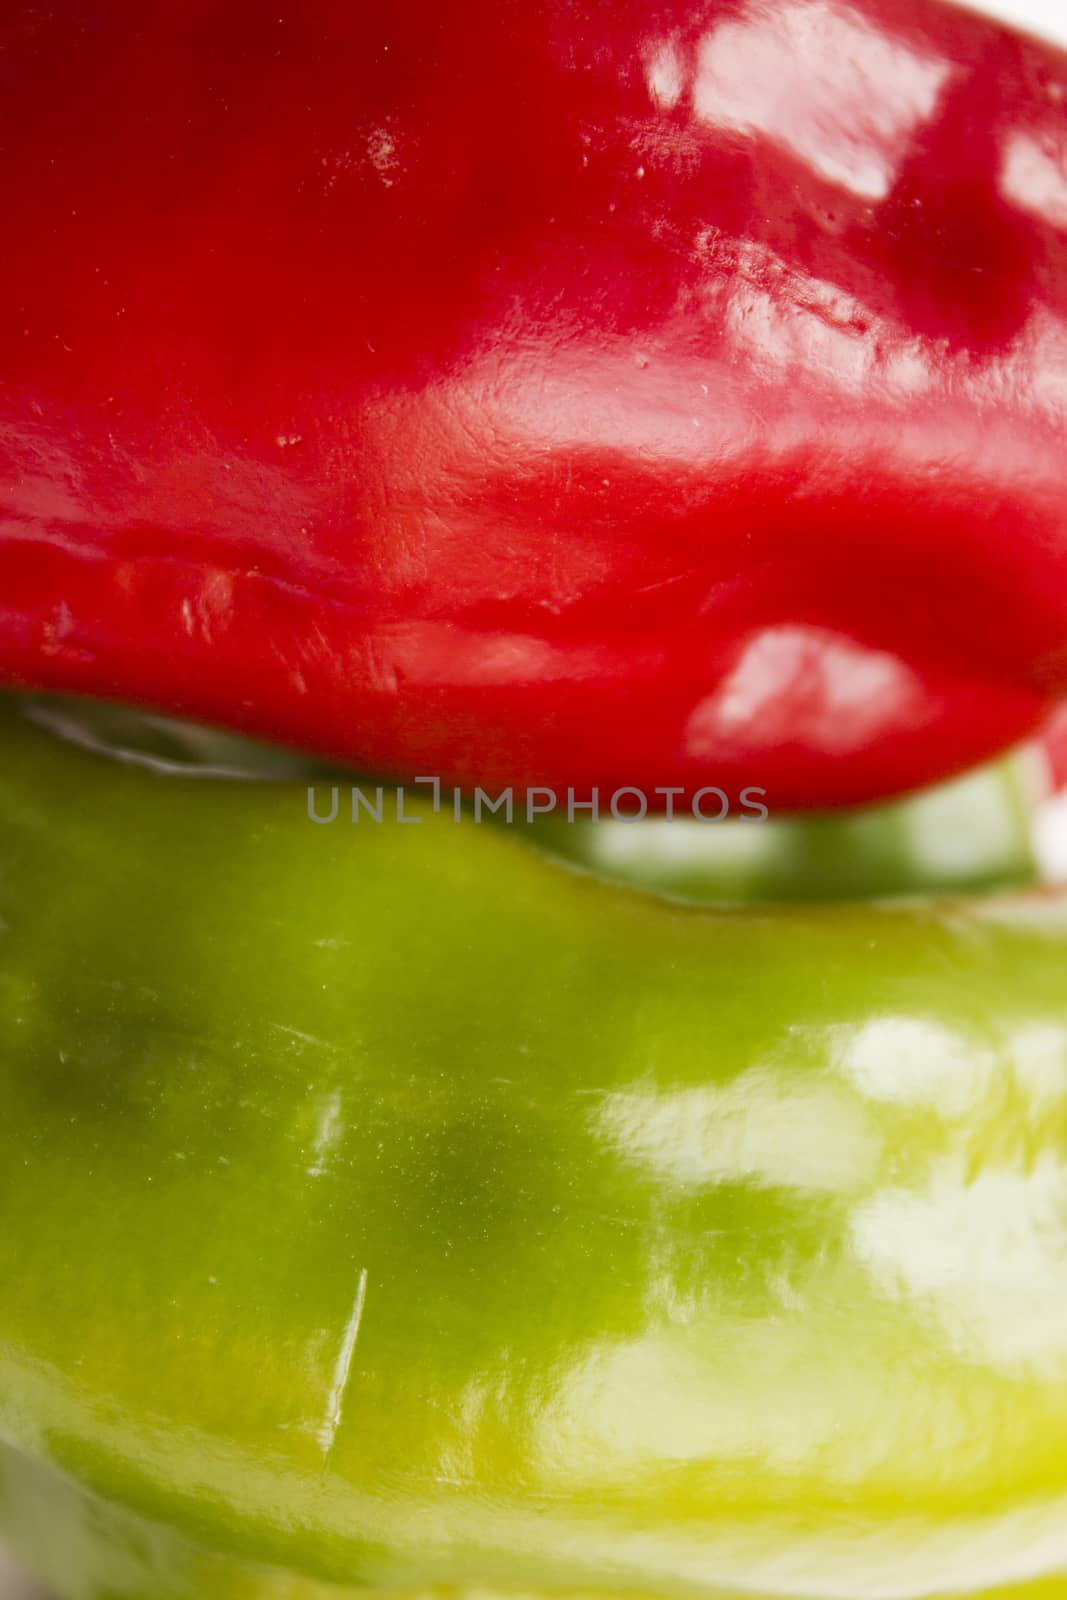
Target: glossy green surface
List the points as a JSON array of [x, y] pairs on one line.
[[973, 834], [389, 1205]]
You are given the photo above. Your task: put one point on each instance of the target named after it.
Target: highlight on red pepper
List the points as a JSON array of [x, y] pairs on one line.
[[401, 406]]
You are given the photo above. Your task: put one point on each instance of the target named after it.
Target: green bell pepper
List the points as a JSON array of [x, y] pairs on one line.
[[395, 1206]]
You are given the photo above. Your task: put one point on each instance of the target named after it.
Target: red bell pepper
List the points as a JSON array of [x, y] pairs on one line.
[[555, 392]]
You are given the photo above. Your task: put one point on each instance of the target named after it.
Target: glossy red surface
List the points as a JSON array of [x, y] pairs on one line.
[[562, 392]]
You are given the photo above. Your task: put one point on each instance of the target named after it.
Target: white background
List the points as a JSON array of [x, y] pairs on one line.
[[1047, 17]]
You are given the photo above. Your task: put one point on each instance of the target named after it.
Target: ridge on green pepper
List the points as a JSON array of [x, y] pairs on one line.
[[972, 834]]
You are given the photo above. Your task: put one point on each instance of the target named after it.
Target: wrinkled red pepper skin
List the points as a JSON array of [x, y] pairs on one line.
[[554, 392]]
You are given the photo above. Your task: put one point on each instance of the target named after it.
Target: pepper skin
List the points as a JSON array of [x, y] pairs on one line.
[[387, 1205], [969, 836], [660, 392]]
